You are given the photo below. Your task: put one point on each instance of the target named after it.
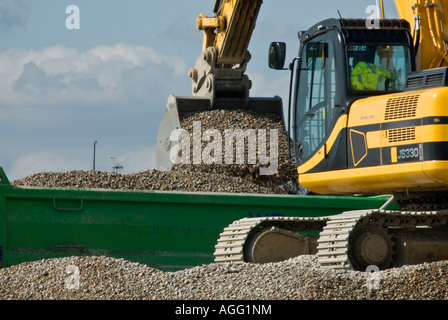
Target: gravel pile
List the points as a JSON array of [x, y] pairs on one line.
[[188, 181], [300, 278], [246, 121], [232, 178]]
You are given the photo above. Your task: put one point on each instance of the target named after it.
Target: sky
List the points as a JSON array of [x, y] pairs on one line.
[[64, 86]]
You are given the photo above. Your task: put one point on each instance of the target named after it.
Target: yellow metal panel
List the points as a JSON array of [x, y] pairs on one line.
[[320, 155], [340, 124], [314, 161], [379, 179], [437, 171], [433, 16], [435, 102], [436, 133], [372, 110], [373, 139], [367, 111], [393, 154]]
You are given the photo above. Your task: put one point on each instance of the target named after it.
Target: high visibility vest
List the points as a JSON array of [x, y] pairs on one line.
[[369, 77]]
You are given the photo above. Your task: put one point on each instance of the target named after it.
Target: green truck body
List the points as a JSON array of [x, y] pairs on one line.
[[165, 230]]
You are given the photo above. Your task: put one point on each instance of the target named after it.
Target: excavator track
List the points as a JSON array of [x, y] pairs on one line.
[[333, 240], [233, 241], [350, 240], [358, 239]]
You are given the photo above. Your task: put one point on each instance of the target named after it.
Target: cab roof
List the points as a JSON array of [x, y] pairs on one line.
[[357, 31]]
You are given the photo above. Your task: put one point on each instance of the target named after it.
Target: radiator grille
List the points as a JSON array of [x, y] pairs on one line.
[[416, 82], [434, 79], [427, 79], [402, 134], [401, 107]]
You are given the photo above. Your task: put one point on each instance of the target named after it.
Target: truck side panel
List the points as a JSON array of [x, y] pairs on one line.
[[165, 230]]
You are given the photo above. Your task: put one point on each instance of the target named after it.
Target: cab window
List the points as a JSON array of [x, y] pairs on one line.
[[378, 68]]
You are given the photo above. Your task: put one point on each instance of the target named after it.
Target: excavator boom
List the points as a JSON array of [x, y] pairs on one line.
[[230, 30], [429, 22]]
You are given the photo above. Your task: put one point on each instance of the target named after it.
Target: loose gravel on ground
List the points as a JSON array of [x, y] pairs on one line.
[[301, 278], [295, 279]]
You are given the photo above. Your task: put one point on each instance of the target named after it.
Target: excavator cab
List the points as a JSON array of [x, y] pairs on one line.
[[340, 61], [364, 122]]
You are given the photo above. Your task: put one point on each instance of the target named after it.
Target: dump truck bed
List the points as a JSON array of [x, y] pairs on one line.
[[165, 230]]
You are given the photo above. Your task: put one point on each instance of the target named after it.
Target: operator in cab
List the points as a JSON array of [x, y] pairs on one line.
[[372, 69]]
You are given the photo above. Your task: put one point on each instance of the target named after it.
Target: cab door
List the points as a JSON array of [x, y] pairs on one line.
[[315, 105]]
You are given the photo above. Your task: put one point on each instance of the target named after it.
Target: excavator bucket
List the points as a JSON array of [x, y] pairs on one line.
[[177, 106], [218, 76]]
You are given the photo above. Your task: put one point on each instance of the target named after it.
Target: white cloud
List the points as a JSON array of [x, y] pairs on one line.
[[57, 74], [57, 97]]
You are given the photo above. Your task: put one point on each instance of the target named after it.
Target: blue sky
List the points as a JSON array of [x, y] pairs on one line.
[[109, 81]]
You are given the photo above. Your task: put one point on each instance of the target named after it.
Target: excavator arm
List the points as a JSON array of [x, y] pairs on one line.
[[220, 70], [218, 76], [429, 22], [230, 30]]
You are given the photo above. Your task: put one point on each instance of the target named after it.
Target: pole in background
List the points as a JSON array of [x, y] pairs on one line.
[[94, 152]]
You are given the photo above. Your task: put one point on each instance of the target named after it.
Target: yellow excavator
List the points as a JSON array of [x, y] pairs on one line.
[[367, 116], [383, 129]]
